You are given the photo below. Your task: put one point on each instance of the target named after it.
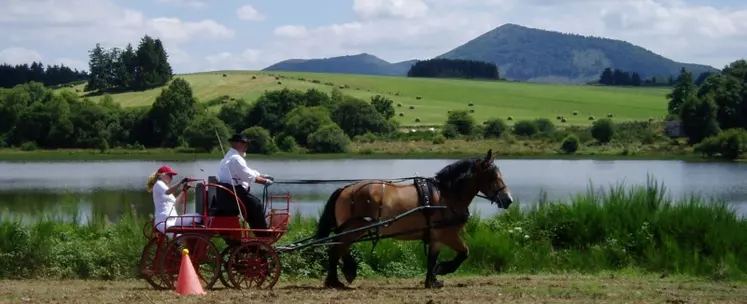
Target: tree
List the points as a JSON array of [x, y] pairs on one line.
[[461, 121], [302, 121], [201, 132], [172, 111], [603, 130], [683, 89], [97, 70], [494, 128], [234, 114], [260, 141], [329, 139], [357, 117], [383, 105], [525, 128], [699, 118], [268, 111]]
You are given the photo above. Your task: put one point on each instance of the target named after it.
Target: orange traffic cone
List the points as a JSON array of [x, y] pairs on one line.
[[188, 282]]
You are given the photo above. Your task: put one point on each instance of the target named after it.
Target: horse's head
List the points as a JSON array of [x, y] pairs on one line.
[[460, 179], [490, 181]]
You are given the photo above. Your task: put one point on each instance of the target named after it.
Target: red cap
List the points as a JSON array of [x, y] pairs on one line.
[[166, 169]]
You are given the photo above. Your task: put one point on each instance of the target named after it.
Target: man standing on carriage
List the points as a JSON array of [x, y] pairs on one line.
[[235, 175]]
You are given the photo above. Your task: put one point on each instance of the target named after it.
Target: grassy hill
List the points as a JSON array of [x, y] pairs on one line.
[[521, 53], [364, 64], [437, 96], [528, 54]]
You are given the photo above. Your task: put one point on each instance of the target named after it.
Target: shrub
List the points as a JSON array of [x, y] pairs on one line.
[[302, 121], [29, 146], [449, 131], [525, 128], [544, 125], [570, 144], [260, 141], [463, 123], [603, 130], [494, 128], [439, 139], [729, 144], [329, 139], [288, 144]]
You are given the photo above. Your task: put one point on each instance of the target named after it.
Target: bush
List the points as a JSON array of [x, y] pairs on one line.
[[260, 141], [450, 131], [570, 144], [329, 139], [729, 144], [525, 128], [463, 123], [200, 132], [603, 130], [302, 121], [544, 125], [357, 117], [439, 139], [288, 144], [29, 146], [494, 128]]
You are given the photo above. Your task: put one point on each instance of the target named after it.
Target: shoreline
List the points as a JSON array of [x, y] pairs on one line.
[[61, 155]]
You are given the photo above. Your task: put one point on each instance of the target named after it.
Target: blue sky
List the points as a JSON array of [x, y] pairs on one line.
[[229, 34]]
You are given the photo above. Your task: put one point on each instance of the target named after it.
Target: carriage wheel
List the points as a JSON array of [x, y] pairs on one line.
[[254, 264], [149, 263], [225, 255], [203, 254]]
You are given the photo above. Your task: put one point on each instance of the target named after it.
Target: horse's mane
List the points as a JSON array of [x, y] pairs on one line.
[[455, 173]]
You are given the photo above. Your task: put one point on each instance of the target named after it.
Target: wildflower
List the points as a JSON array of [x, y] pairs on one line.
[[518, 229], [526, 236]]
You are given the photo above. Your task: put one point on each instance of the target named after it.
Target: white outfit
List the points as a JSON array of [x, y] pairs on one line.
[[165, 208], [240, 174]]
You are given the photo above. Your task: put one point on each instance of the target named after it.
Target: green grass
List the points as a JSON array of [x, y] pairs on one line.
[[626, 228], [490, 99]]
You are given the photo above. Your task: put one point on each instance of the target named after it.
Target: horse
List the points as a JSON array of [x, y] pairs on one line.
[[447, 194]]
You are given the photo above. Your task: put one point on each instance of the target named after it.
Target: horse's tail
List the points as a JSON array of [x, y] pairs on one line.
[[327, 221]]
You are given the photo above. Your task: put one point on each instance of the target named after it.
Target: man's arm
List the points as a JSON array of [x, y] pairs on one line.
[[238, 166]]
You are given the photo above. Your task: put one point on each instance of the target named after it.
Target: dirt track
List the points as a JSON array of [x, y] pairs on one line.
[[494, 289]]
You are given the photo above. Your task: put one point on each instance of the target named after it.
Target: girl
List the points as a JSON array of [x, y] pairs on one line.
[[165, 215]]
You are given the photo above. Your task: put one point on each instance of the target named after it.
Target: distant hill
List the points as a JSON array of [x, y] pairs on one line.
[[521, 53], [528, 54], [365, 64]]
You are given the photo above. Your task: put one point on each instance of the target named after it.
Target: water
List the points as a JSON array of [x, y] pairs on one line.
[[111, 188]]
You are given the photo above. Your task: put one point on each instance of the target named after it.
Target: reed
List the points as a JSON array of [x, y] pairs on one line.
[[623, 228]]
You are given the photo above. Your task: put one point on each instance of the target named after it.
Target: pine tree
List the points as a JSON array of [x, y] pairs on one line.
[[683, 89], [96, 69]]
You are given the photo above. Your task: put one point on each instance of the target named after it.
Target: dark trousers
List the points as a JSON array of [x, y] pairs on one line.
[[225, 205]]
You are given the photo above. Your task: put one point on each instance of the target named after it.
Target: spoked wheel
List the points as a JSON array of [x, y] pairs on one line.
[[255, 265], [149, 259], [225, 255], [203, 254]]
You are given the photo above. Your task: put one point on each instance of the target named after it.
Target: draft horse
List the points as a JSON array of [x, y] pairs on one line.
[[448, 193]]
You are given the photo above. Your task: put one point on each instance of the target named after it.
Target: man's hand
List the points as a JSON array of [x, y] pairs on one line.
[[268, 182], [265, 176]]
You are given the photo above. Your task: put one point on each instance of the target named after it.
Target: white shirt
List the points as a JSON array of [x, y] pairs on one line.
[[163, 202], [240, 173]]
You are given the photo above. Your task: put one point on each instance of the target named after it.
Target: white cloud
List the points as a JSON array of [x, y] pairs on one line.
[[249, 13], [19, 55], [229, 61], [187, 3], [407, 9]]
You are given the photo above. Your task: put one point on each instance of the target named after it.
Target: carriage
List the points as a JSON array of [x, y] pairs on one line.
[[246, 260], [383, 210]]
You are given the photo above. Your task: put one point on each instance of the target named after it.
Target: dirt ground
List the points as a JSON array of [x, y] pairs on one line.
[[494, 289]]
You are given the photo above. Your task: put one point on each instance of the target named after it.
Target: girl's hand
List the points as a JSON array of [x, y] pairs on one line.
[[184, 181]]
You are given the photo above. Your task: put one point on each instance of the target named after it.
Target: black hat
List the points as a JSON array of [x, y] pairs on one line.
[[239, 137]]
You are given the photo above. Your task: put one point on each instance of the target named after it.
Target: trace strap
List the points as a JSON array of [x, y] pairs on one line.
[[331, 181]]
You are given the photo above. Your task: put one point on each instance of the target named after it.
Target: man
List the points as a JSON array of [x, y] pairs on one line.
[[235, 173]]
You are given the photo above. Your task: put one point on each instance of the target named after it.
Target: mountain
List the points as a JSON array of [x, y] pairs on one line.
[[354, 64], [528, 54]]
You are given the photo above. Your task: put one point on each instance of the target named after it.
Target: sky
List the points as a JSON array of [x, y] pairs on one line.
[[202, 35]]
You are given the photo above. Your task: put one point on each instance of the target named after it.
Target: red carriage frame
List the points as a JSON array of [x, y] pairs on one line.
[[247, 259]]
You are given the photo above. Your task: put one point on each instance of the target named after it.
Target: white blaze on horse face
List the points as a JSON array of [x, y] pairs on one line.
[[510, 198]]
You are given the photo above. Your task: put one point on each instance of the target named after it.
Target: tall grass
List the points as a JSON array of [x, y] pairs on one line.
[[636, 227]]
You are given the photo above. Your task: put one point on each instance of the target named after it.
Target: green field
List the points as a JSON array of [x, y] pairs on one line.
[[438, 96]]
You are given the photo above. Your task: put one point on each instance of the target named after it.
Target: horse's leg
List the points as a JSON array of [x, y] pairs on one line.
[[349, 267], [332, 280], [434, 248], [455, 242]]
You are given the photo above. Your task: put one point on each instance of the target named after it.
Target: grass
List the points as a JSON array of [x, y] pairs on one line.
[[514, 289], [634, 228], [437, 96]]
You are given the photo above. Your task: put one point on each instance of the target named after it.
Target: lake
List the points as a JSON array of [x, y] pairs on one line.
[[83, 189]]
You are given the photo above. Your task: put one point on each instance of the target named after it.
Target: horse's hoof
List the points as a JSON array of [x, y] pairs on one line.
[[434, 284], [336, 284]]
